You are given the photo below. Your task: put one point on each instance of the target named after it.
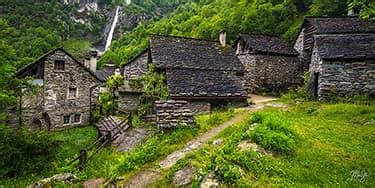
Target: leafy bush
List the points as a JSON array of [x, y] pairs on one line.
[[23, 152], [273, 133]]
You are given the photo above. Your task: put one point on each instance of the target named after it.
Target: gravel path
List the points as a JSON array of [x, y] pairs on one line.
[[146, 177]]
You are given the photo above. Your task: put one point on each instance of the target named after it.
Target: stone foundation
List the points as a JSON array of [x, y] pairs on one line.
[[173, 113], [198, 107]]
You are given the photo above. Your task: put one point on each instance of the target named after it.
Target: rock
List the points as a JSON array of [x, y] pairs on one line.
[[277, 105], [184, 176], [131, 138], [67, 177], [94, 183], [244, 145], [210, 181], [217, 142]]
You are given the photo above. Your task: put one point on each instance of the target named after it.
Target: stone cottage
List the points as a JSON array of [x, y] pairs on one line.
[[271, 64], [205, 73], [339, 53], [66, 90]]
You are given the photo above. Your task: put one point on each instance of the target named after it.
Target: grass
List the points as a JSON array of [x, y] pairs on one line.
[[155, 148], [327, 145], [110, 164], [70, 143]]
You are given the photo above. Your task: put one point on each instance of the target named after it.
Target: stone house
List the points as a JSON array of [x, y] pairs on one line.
[[66, 90], [205, 73], [339, 53], [271, 64], [202, 72]]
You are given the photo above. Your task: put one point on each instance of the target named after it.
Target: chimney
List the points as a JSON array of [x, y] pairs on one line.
[[354, 11], [93, 60], [223, 38]]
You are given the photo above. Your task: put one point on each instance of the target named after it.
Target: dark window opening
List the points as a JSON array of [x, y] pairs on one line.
[[77, 118], [59, 65], [240, 73], [67, 119], [72, 93]]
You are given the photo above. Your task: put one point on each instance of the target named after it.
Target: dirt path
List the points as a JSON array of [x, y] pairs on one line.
[[146, 177]]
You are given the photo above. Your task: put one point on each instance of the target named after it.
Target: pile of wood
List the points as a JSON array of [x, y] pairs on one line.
[[173, 113]]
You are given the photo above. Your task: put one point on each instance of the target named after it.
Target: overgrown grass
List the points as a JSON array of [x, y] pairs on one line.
[[68, 144], [332, 146]]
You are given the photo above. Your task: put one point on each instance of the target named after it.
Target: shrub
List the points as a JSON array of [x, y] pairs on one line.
[[23, 152], [228, 172], [273, 133]]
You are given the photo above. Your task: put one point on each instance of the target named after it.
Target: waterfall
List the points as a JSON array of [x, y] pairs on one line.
[[110, 34], [128, 2]]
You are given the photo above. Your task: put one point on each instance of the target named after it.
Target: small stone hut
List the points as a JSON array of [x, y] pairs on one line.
[[66, 90], [271, 64], [340, 55], [205, 73]]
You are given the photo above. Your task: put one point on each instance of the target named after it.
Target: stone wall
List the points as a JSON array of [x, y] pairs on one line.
[[129, 101], [199, 106], [57, 104], [172, 113], [268, 73], [134, 70], [343, 78]]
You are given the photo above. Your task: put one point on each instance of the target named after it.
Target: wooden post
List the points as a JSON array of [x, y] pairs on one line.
[[130, 119], [82, 159], [109, 137]]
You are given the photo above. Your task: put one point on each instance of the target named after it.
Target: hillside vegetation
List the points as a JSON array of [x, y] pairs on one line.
[[313, 144], [205, 18]]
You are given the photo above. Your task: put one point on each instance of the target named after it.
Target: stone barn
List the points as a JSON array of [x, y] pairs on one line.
[[339, 53], [205, 73], [66, 89], [271, 64]]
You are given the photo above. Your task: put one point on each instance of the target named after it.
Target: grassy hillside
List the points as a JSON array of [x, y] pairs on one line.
[[315, 144]]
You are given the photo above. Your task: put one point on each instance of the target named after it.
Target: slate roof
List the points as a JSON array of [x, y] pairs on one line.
[[21, 71], [348, 46], [106, 71], [197, 69], [180, 52], [266, 44], [341, 25], [204, 83]]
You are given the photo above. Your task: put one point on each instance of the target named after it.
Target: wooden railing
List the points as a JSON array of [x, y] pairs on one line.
[[110, 130]]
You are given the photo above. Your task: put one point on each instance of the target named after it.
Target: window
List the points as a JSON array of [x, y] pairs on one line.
[[59, 65], [77, 118], [67, 119], [72, 92]]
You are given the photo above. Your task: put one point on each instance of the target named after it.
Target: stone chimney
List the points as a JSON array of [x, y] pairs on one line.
[[223, 38], [91, 60], [355, 11]]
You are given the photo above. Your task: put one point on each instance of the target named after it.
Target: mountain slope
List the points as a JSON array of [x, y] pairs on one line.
[[204, 19]]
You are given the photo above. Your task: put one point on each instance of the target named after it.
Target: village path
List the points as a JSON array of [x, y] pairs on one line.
[[148, 176]]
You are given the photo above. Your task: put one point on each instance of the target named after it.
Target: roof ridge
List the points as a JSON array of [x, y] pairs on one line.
[[326, 16], [183, 37], [51, 52], [263, 34]]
